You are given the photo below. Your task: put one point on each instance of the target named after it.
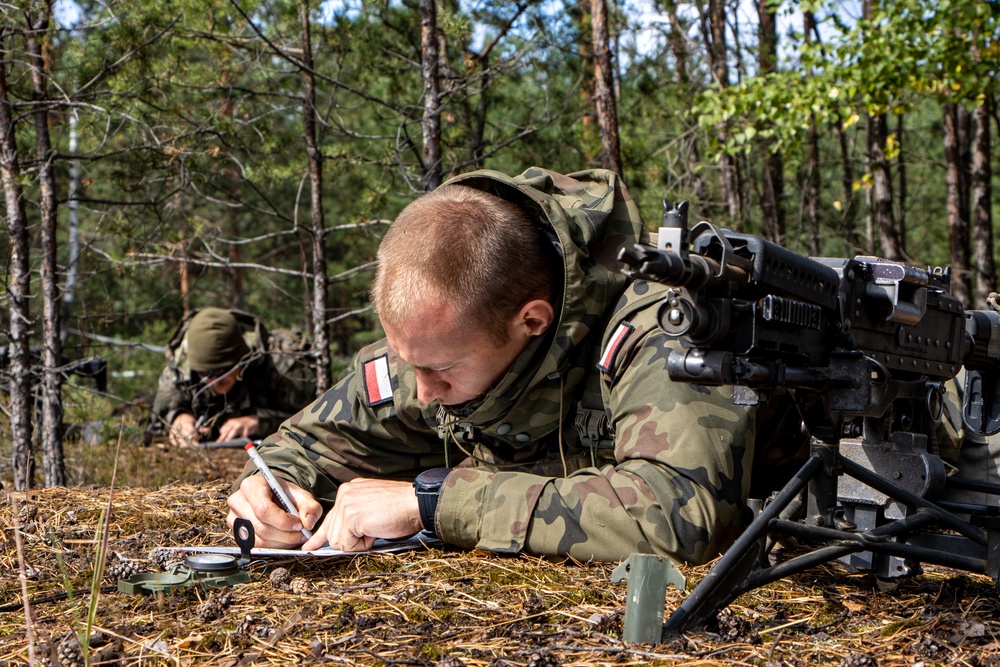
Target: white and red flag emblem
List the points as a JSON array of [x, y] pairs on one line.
[[611, 350], [378, 382]]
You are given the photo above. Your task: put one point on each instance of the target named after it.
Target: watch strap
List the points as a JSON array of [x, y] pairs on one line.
[[427, 486], [427, 501]]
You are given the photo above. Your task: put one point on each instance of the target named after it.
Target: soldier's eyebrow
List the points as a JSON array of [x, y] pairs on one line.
[[442, 367]]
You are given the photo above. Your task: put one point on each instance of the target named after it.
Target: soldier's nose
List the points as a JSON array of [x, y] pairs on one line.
[[429, 388]]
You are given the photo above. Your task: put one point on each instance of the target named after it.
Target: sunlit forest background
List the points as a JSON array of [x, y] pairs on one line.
[[160, 156]]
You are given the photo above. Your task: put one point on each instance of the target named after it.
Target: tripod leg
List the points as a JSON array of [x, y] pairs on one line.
[[728, 578]]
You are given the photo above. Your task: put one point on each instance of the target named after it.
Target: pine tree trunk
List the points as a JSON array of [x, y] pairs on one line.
[[965, 139], [901, 173], [848, 210], [676, 38], [430, 125], [891, 243], [590, 134], [728, 167], [812, 189], [478, 143], [773, 175], [321, 339], [52, 452], [604, 92], [230, 176], [982, 213], [481, 60], [849, 215], [870, 238], [958, 227], [18, 287]]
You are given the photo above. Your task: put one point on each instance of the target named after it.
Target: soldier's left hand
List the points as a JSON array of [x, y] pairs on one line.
[[367, 509], [239, 427]]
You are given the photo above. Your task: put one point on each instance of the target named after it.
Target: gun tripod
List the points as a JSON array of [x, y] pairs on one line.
[[870, 514]]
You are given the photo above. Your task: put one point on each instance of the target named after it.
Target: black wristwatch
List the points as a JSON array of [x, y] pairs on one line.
[[426, 486]]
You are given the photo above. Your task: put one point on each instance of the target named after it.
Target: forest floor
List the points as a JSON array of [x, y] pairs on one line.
[[435, 607]]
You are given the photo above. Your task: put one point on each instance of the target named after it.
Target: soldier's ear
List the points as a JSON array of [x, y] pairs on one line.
[[534, 318]]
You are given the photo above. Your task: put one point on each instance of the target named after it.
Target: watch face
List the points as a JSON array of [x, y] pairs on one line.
[[431, 479]]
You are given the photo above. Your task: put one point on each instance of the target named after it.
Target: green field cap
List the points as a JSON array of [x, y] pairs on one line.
[[214, 340]]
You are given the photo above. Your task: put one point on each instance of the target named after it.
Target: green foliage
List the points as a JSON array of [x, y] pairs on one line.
[[192, 157]]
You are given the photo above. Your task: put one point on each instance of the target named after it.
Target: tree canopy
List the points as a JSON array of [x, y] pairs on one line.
[[182, 171]]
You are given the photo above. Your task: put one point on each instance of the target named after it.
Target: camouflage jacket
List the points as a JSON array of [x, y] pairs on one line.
[[679, 475], [263, 390]]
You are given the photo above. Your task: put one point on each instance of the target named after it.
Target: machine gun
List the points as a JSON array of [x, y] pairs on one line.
[[866, 348], [95, 368]]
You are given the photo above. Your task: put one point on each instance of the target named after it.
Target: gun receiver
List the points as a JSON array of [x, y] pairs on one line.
[[866, 348], [754, 314]]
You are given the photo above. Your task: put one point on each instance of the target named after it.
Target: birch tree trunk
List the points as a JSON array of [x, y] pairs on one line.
[[52, 452], [321, 338], [604, 92], [73, 267], [18, 286], [982, 210], [430, 125]]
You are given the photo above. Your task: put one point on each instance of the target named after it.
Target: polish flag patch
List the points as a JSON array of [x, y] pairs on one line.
[[621, 334], [378, 382]]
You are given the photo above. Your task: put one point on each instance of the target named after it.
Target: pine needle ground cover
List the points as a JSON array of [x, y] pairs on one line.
[[434, 608]]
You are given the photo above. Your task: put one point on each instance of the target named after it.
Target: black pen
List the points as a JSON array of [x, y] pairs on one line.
[[272, 481]]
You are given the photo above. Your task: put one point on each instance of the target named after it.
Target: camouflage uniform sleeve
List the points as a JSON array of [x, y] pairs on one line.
[[171, 399], [683, 457], [343, 435]]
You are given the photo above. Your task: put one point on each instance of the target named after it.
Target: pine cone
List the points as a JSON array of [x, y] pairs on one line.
[[543, 658], [280, 578], [300, 585], [26, 514], [534, 609], [859, 660], [69, 651], [215, 607], [122, 569], [166, 559], [450, 661], [209, 610], [254, 627]]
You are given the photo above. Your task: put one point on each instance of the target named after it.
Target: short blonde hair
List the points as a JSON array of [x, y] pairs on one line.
[[482, 254]]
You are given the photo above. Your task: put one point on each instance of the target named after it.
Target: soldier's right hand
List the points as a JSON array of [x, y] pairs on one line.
[[273, 526], [183, 432]]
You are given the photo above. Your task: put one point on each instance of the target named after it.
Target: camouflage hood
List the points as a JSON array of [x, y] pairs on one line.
[[588, 216]]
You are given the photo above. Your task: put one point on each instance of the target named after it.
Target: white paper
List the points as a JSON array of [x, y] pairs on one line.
[[418, 541]]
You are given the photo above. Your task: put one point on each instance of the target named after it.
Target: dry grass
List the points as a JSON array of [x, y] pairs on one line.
[[438, 606]]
